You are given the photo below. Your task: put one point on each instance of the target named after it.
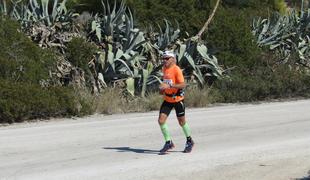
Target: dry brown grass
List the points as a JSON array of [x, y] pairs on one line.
[[109, 102], [113, 101], [196, 97]]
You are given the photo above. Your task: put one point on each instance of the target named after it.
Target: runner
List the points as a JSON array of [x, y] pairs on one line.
[[173, 90]]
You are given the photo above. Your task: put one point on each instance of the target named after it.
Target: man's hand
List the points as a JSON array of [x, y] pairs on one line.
[[164, 86]]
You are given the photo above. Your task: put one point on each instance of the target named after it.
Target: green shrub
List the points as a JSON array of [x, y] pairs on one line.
[[264, 84], [190, 14], [20, 59], [24, 101], [280, 5], [79, 52], [231, 40], [22, 66], [85, 101]]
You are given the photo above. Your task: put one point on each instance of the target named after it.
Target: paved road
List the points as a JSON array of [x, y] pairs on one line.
[[237, 142]]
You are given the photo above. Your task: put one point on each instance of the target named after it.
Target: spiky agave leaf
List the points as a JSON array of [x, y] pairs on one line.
[[3, 7], [35, 12], [130, 86], [304, 51], [195, 60], [285, 35], [165, 38], [210, 60]]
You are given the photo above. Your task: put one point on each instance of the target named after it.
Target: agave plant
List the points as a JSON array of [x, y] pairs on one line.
[[304, 51], [285, 35], [3, 8], [197, 63], [166, 37], [127, 54], [39, 12], [110, 25], [122, 55], [192, 55], [158, 41], [132, 55], [48, 24]]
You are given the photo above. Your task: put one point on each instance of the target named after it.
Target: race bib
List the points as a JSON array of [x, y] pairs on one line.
[[168, 81]]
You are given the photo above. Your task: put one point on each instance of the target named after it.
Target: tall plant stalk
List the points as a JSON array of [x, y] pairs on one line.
[[205, 27]]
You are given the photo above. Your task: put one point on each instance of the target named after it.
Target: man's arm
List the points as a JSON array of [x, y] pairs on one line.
[[179, 85], [167, 86], [180, 82]]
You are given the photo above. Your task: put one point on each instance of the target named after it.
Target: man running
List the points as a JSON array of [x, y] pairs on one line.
[[173, 90]]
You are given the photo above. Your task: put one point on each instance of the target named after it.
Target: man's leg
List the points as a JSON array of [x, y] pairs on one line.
[[165, 110], [180, 112], [185, 126], [163, 126]]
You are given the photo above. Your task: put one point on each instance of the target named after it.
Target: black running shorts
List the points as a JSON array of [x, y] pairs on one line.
[[179, 107]]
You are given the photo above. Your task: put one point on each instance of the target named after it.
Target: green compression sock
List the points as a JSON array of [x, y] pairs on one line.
[[165, 131], [186, 130]]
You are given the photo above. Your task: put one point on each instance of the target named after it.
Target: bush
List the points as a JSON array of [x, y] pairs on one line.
[[264, 84], [23, 65], [231, 40], [20, 59], [24, 101], [80, 52]]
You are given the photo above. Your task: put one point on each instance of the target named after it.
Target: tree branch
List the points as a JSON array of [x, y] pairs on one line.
[[205, 27]]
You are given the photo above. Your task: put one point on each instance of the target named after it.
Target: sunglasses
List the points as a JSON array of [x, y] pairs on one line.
[[166, 59]]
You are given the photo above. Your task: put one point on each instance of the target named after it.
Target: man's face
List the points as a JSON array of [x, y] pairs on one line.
[[168, 61]]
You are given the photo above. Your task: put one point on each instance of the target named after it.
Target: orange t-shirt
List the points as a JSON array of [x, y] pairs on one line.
[[172, 75]]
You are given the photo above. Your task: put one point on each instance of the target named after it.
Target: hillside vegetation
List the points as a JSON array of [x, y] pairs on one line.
[[95, 58]]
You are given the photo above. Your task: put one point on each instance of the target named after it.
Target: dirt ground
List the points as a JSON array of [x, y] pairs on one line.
[[267, 141]]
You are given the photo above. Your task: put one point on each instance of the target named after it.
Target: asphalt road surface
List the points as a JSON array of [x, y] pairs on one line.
[[267, 141]]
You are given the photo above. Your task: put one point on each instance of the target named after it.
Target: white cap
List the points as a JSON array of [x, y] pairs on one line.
[[167, 54]]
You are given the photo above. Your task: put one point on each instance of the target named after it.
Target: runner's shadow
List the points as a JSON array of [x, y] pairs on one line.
[[129, 149], [304, 178], [135, 150]]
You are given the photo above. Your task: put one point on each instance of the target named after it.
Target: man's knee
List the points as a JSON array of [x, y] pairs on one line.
[[181, 120], [162, 118]]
